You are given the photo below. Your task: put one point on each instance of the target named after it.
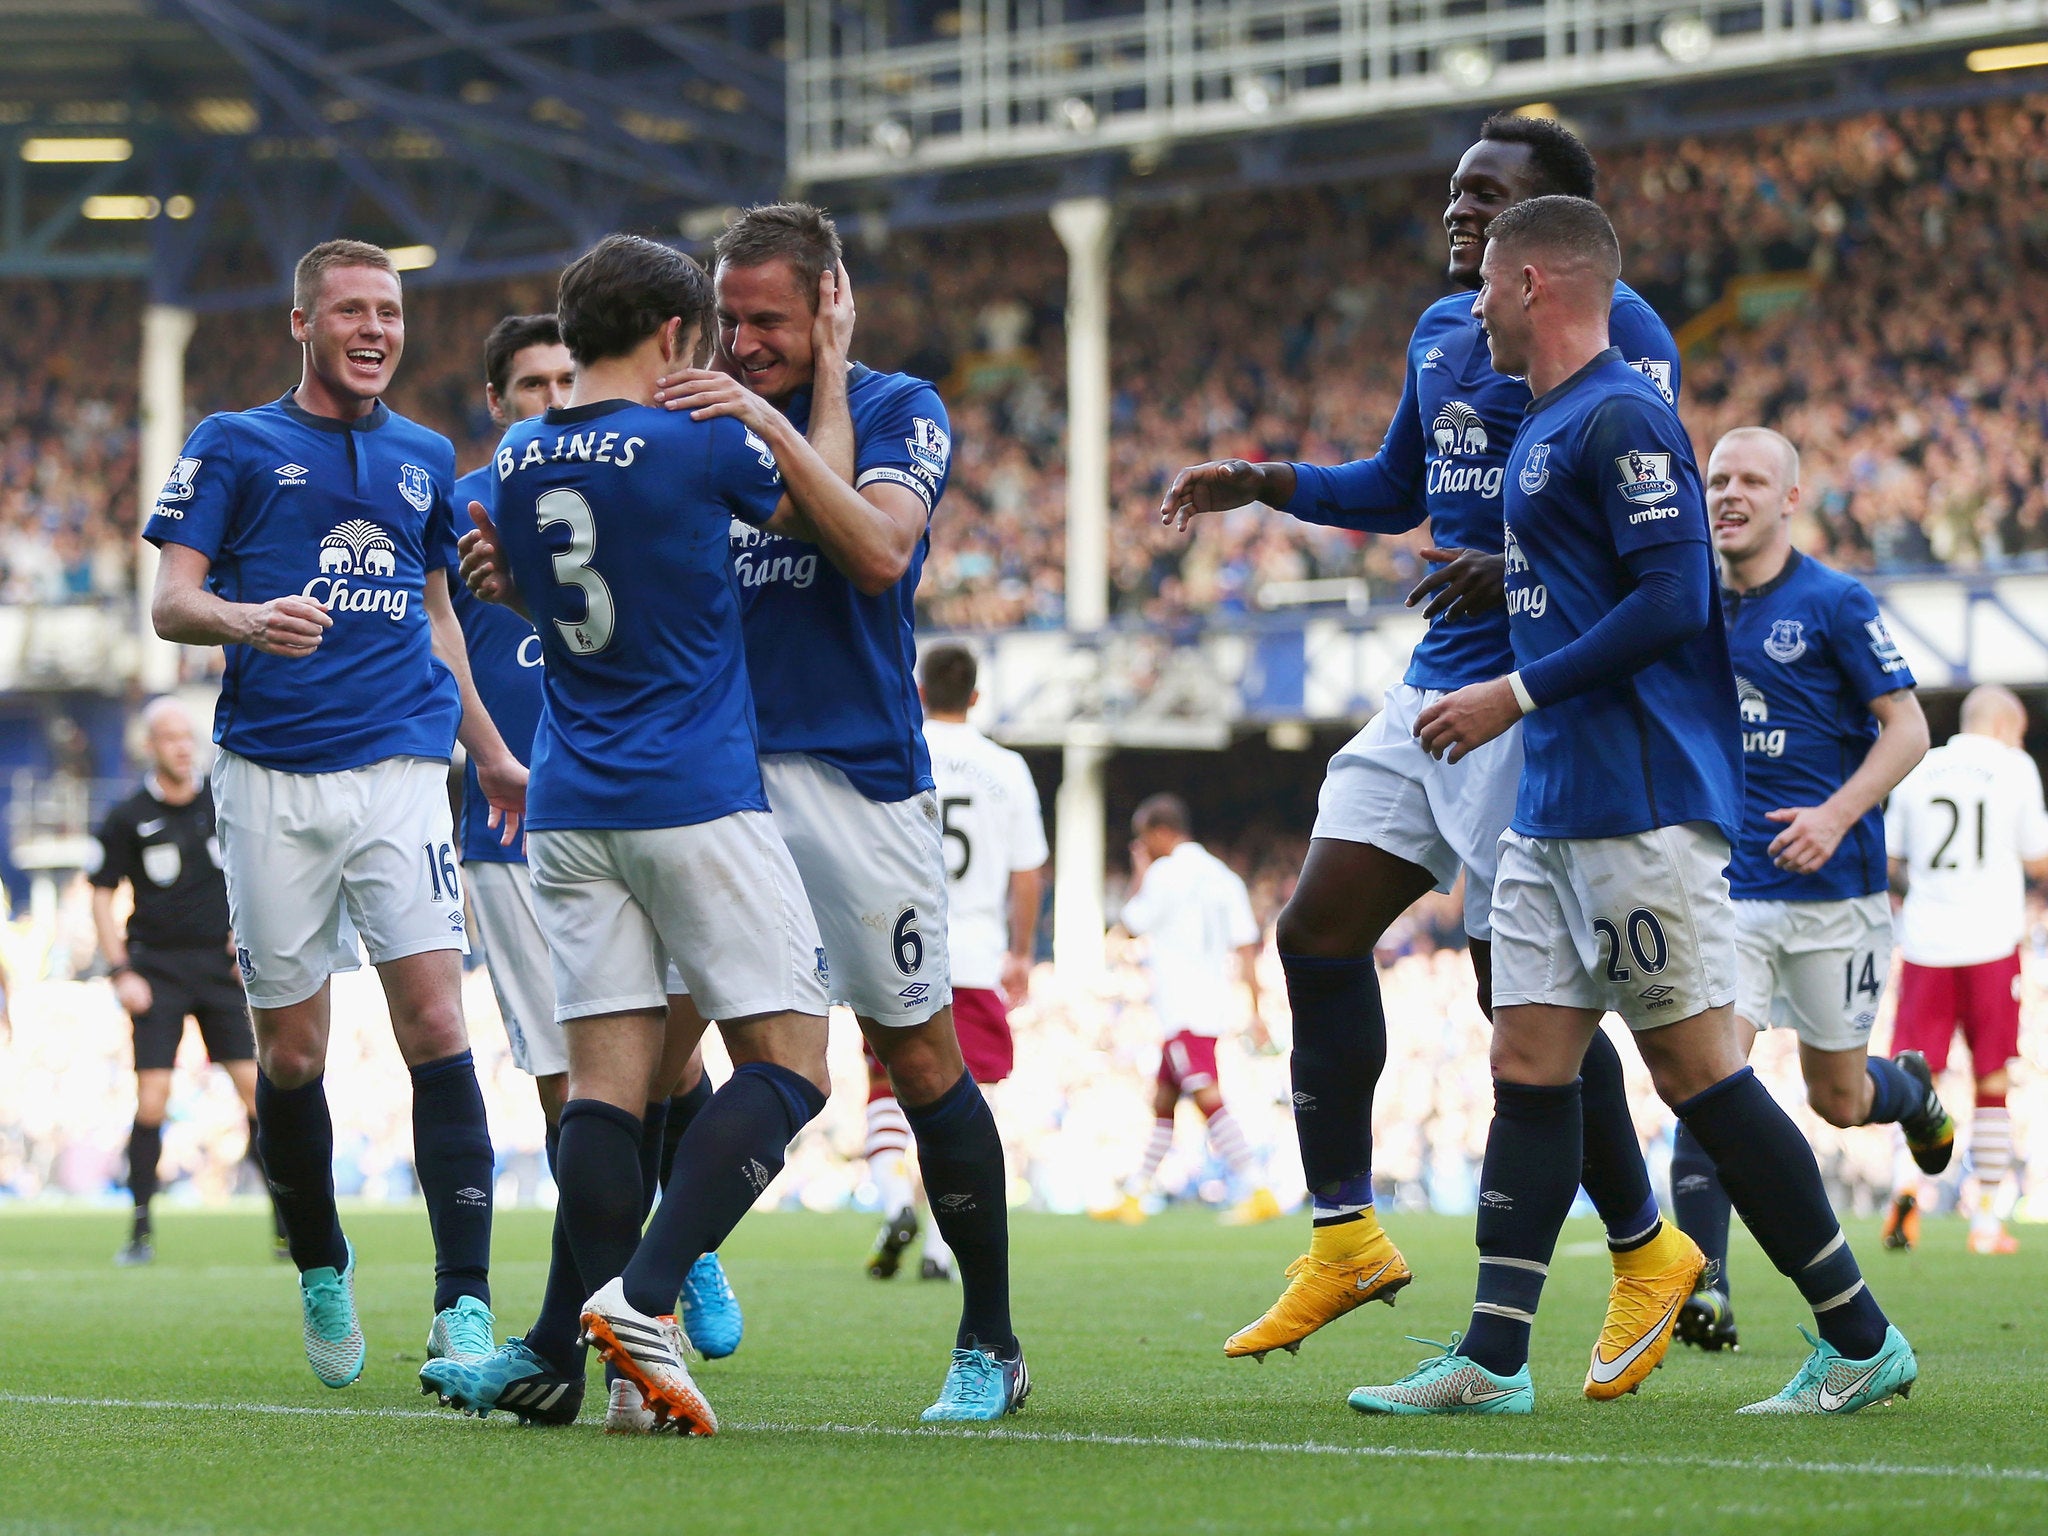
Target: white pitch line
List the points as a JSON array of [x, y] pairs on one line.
[[1137, 1442]]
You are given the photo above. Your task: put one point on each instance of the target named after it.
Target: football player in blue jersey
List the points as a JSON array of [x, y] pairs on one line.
[[308, 537], [1394, 823], [1611, 893], [1830, 724], [829, 589], [650, 838]]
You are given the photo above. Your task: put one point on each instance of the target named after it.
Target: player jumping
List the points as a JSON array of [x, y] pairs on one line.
[[1195, 915], [994, 835], [1611, 893], [1964, 831], [308, 537], [613, 518], [1830, 724], [1393, 822]]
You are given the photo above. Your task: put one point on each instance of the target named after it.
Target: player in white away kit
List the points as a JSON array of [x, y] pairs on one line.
[[309, 537], [1195, 916], [994, 834], [1964, 831]]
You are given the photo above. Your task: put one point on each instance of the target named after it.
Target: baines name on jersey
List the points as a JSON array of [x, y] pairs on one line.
[[590, 447]]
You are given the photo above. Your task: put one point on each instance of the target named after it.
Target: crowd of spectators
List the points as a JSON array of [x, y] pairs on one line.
[[1874, 286], [1073, 1116]]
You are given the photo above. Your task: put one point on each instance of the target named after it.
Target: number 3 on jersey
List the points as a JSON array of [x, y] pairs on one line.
[[572, 569]]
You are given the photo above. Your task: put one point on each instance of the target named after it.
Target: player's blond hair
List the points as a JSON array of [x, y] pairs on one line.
[[328, 256], [1786, 448]]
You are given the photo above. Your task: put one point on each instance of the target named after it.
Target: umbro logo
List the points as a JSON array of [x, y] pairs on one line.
[[757, 1175], [1493, 1199], [1658, 996], [1432, 357], [469, 1194], [291, 474], [955, 1202], [1691, 1182], [1304, 1101]]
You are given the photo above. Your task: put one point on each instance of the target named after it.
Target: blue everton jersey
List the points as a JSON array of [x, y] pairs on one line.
[[1602, 468], [352, 515], [505, 664], [834, 669], [1811, 652], [1444, 458], [614, 518]]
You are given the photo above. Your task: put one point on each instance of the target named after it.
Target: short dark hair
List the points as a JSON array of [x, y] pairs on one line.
[[947, 673], [511, 336], [1161, 810], [624, 289], [328, 256], [797, 233], [1559, 162], [1571, 227]]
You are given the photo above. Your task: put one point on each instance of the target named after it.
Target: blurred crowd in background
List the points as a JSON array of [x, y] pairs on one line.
[[1074, 1115], [1874, 286]]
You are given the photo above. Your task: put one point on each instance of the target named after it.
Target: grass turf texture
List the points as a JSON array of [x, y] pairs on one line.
[[1124, 1328]]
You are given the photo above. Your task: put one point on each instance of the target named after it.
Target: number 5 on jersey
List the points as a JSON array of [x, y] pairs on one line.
[[572, 569]]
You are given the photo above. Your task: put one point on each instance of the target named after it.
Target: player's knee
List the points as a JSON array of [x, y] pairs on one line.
[[290, 1063], [432, 1030], [1838, 1103], [1309, 928]]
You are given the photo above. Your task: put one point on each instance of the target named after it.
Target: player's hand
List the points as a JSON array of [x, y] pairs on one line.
[[286, 626], [705, 393], [1259, 1038], [133, 993], [1213, 487], [832, 328], [1141, 859], [1462, 722], [1464, 582], [503, 781], [484, 570], [1016, 978], [1811, 835]]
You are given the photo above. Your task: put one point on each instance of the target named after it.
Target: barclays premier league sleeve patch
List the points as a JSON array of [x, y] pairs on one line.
[[1646, 482], [178, 488]]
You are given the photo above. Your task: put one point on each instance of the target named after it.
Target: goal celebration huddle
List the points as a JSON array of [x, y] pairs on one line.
[[711, 782]]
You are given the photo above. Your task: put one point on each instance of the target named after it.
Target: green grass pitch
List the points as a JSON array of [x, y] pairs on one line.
[[174, 1400]]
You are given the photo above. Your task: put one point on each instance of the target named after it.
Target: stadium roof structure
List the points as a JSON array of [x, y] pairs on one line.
[[203, 144]]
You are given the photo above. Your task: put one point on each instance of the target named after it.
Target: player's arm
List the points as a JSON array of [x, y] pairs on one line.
[[500, 775], [1027, 888], [1382, 494], [184, 612], [117, 862], [2034, 826], [1813, 832]]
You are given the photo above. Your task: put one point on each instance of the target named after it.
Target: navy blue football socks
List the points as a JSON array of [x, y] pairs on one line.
[[732, 1151], [1893, 1095], [145, 1150], [653, 1141], [1526, 1188], [1340, 1048], [1612, 1169], [1771, 1176], [682, 1109], [296, 1137], [597, 1221], [1700, 1203], [451, 1154], [961, 1154]]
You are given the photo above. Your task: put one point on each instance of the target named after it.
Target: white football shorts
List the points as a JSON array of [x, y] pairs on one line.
[[315, 859], [1818, 967], [876, 875], [721, 897], [516, 954], [1638, 925], [1384, 789]]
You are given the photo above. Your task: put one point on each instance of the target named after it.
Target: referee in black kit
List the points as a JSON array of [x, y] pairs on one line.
[[177, 958]]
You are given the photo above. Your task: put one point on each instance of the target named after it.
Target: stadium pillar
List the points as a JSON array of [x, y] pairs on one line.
[[166, 328], [1084, 227]]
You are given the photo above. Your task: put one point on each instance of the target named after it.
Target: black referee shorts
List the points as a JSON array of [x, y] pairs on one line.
[[200, 984]]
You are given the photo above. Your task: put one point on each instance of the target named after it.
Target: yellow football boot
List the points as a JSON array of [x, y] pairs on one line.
[[1257, 1207], [1358, 1263], [1651, 1284], [1128, 1210]]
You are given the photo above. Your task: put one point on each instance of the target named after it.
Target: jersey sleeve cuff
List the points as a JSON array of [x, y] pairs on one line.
[[1523, 697]]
